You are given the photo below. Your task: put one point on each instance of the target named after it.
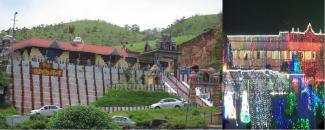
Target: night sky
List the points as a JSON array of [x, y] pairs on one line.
[[271, 16]]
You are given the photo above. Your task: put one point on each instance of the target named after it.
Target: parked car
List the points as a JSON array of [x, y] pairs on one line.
[[123, 121], [168, 103], [47, 110]]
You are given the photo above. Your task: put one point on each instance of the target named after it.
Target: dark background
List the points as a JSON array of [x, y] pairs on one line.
[[271, 16]]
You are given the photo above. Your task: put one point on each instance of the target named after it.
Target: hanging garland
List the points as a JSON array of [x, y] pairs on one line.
[[291, 104]]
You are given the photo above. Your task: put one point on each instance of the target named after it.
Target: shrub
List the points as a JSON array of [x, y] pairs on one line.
[[81, 117], [5, 110], [34, 122], [175, 118], [2, 121]]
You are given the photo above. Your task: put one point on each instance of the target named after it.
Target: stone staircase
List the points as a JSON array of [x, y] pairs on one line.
[[181, 89]]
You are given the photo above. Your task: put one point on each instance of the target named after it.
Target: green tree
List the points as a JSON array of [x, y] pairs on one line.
[[127, 73], [4, 84], [81, 117], [35, 122]]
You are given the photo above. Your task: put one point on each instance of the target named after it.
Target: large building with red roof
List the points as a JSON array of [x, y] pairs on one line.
[[45, 72]]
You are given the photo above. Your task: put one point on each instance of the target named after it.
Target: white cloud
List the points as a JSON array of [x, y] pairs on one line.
[[145, 13]]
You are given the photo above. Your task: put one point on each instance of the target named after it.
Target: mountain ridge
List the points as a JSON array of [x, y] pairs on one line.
[[100, 32]]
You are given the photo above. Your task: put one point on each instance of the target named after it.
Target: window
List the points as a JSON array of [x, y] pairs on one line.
[[308, 55], [258, 54], [290, 55], [123, 119], [314, 55], [53, 107], [234, 52], [284, 55], [172, 100]]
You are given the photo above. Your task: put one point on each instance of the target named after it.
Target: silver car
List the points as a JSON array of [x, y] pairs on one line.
[[124, 122], [47, 110], [168, 103]]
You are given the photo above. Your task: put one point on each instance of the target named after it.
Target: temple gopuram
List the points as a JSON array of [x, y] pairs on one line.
[[275, 51], [165, 54]]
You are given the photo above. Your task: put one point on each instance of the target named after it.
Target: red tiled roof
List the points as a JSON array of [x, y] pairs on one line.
[[43, 43]]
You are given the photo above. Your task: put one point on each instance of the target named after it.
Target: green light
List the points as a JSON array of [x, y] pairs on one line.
[[245, 117], [291, 103], [244, 113], [301, 124]]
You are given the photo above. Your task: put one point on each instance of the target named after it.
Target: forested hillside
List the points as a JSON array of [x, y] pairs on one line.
[[103, 33], [92, 31]]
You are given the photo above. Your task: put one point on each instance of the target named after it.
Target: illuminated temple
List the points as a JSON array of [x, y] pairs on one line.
[[275, 51], [268, 80]]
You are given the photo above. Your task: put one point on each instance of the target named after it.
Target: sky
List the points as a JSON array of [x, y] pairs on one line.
[[145, 13], [271, 16]]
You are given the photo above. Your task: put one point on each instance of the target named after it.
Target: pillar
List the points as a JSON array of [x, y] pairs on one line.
[[175, 65], [193, 82], [216, 91]]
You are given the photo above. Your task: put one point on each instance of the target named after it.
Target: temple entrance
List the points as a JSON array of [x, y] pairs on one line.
[[206, 83]]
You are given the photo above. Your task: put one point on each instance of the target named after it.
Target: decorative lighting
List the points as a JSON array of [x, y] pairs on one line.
[[291, 103], [224, 67], [230, 111], [244, 113], [301, 124]]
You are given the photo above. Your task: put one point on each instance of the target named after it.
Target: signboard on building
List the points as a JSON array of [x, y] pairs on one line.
[[46, 69]]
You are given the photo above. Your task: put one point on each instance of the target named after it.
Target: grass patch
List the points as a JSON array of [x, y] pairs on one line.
[[35, 122], [131, 98], [175, 117], [6, 110]]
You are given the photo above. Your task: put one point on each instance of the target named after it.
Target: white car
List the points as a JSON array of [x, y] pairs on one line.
[[78, 40], [168, 103], [47, 110]]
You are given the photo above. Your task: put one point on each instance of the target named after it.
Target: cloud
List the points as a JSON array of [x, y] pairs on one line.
[[145, 13]]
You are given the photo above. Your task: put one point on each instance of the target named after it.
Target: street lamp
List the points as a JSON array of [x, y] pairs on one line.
[[13, 27]]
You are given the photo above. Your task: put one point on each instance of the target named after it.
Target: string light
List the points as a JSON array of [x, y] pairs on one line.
[[229, 110], [291, 104], [302, 123], [244, 114], [267, 96]]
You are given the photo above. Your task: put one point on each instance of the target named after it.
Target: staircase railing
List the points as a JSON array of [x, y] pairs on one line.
[[182, 90]]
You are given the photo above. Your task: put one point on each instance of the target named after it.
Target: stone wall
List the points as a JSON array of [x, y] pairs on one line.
[[197, 50], [79, 84]]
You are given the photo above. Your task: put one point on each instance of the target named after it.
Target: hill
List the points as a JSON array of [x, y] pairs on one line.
[[193, 25], [182, 30], [92, 31], [103, 33]]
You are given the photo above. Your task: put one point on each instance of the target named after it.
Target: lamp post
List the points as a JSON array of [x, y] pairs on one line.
[[13, 27], [11, 58]]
